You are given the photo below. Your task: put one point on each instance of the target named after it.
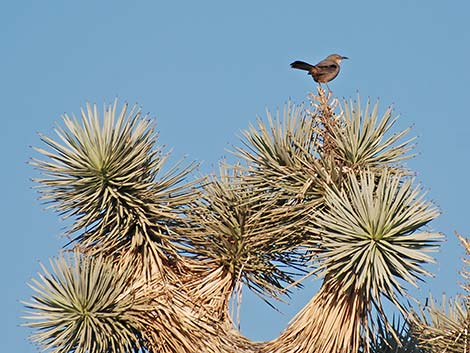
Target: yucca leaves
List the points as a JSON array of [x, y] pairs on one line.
[[368, 234], [93, 159], [300, 151], [282, 154], [85, 305], [246, 231], [361, 141], [109, 175]]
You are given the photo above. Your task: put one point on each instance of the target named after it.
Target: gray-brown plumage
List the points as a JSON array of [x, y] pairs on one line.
[[323, 72]]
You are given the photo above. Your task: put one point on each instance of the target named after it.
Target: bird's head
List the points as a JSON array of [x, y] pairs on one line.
[[336, 58]]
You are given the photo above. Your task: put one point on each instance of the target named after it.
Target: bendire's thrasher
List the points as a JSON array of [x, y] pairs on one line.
[[323, 72]]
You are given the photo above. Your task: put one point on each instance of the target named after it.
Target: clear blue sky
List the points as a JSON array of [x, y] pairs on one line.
[[205, 69]]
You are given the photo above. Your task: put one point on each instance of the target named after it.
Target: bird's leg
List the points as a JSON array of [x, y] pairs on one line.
[[329, 89]]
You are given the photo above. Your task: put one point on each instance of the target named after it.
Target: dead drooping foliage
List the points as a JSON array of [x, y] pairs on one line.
[[445, 327]]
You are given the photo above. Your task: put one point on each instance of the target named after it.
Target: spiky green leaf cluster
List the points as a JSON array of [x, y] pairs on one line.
[[369, 239], [109, 176], [362, 140], [303, 150], [282, 154], [246, 232], [85, 305]]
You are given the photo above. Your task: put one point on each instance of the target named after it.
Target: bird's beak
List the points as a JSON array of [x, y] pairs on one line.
[[344, 57]]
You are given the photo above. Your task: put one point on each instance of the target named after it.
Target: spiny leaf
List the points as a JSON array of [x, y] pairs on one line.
[[84, 305], [362, 142], [109, 175], [369, 237]]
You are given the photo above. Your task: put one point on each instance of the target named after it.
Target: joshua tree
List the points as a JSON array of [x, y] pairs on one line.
[[156, 257]]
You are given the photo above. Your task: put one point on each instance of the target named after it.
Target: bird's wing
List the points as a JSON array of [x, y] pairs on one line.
[[327, 65]]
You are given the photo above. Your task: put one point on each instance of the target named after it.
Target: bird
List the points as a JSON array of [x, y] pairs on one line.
[[323, 72]]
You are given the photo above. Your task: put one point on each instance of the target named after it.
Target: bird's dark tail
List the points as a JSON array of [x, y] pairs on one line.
[[301, 65]]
